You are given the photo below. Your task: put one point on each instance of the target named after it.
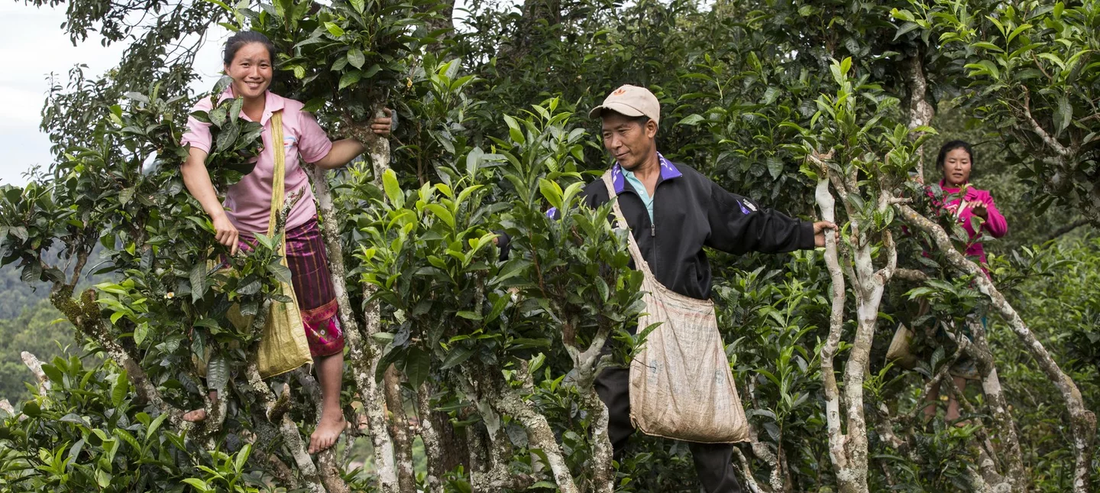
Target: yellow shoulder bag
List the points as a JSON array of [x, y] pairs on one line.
[[283, 345]]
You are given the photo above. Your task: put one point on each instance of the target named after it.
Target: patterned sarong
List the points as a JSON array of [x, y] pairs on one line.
[[308, 261]]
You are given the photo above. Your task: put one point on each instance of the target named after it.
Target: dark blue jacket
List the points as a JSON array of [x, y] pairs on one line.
[[690, 212]]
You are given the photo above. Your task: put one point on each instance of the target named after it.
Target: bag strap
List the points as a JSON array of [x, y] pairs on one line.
[[635, 251], [278, 183]]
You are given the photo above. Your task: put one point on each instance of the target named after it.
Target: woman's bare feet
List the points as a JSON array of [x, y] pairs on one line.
[[328, 431], [330, 371], [197, 415]]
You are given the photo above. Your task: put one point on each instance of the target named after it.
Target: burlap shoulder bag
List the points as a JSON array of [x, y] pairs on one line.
[[681, 385], [899, 352], [283, 345]]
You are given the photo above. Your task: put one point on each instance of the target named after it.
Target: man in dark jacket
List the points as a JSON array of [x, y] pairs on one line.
[[671, 230]]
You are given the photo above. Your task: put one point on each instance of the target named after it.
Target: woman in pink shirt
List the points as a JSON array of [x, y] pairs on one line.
[[955, 161], [975, 211], [248, 61]]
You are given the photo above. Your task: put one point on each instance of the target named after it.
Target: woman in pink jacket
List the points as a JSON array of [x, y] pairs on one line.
[[955, 161], [966, 203]]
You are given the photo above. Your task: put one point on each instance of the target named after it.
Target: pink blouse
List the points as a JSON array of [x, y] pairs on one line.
[[248, 202]]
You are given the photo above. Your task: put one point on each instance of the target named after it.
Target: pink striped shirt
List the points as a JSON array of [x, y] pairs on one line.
[[248, 202]]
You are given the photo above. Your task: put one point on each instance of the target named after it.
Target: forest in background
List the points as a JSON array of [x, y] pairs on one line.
[[486, 364]]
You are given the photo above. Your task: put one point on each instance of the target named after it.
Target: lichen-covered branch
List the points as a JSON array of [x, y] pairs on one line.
[[920, 111], [764, 453], [1005, 426], [1025, 112], [910, 275], [399, 429], [285, 429], [586, 367], [848, 449], [433, 448], [378, 150], [36, 368], [276, 466], [837, 440], [364, 357], [363, 353], [507, 400], [746, 472], [328, 465]]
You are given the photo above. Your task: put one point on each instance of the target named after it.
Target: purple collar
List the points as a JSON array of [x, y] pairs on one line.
[[668, 171]]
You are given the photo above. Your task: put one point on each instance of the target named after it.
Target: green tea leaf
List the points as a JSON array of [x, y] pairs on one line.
[[334, 29], [393, 190], [350, 78], [356, 58], [119, 389], [418, 365]]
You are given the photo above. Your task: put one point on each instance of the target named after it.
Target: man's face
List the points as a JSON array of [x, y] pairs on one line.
[[628, 142]]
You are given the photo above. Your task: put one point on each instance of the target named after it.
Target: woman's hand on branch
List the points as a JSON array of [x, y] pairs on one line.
[[382, 125]]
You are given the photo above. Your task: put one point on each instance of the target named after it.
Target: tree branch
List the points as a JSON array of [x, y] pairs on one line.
[[910, 275], [837, 440], [84, 315], [36, 368], [920, 111], [1053, 144], [746, 472], [433, 449], [363, 353], [507, 400]]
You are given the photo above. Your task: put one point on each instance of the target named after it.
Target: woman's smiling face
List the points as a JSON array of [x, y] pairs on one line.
[[251, 71]]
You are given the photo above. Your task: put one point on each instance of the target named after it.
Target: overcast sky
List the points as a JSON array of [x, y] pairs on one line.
[[32, 45]]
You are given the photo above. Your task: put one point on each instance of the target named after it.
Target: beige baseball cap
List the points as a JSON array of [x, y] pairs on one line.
[[630, 101]]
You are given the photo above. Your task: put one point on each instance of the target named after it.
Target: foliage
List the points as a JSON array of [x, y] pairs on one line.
[[346, 57], [1052, 283], [237, 141], [1033, 70], [87, 432], [466, 313], [749, 90]]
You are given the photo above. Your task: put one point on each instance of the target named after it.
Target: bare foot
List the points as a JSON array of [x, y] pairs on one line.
[[195, 416], [199, 414], [328, 430]]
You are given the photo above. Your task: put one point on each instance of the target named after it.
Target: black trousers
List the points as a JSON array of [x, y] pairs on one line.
[[713, 461]]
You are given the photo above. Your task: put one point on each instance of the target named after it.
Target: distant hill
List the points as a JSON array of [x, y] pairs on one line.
[[40, 329], [15, 295], [28, 322]]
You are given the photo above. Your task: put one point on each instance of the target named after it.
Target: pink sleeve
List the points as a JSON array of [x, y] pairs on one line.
[[313, 143], [198, 133], [995, 224]]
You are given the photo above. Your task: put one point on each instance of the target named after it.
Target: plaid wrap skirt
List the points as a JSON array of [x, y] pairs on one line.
[[307, 259]]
